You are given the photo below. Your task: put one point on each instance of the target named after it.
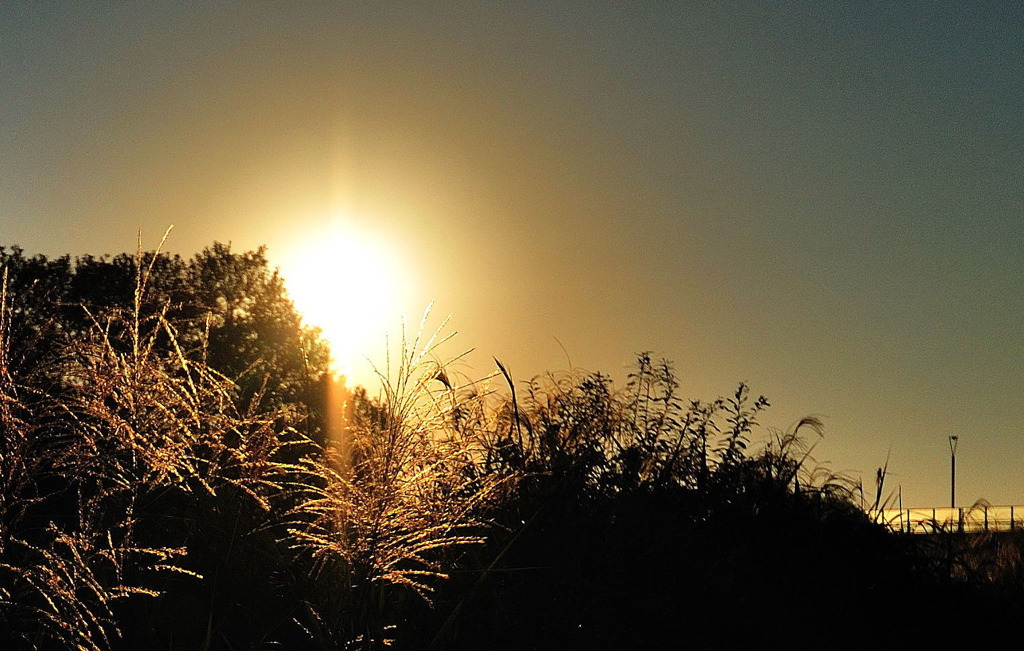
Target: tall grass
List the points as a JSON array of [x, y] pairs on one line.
[[134, 419], [134, 476], [408, 494]]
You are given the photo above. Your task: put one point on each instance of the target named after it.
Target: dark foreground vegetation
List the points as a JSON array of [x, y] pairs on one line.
[[167, 482]]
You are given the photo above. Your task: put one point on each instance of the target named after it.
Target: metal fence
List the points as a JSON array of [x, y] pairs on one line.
[[974, 519]]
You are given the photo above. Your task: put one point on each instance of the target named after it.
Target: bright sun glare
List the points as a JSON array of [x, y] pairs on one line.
[[344, 281]]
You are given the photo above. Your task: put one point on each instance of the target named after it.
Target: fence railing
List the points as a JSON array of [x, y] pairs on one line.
[[974, 519]]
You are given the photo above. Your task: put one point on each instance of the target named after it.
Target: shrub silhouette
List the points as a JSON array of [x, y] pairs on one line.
[[166, 480], [641, 517]]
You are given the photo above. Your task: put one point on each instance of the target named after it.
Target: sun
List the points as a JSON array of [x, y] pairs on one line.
[[345, 281]]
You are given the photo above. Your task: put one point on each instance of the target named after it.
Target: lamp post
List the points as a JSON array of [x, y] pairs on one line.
[[952, 471]]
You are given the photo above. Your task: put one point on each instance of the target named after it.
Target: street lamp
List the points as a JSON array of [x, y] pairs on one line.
[[952, 471]]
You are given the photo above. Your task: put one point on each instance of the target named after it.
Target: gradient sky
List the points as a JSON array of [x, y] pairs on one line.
[[823, 199]]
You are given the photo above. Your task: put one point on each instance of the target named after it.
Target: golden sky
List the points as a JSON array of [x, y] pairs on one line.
[[822, 200]]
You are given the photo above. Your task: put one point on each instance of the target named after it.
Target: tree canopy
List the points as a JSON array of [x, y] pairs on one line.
[[232, 304]]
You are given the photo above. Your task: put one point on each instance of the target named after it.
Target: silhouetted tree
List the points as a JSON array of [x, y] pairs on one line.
[[233, 304]]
